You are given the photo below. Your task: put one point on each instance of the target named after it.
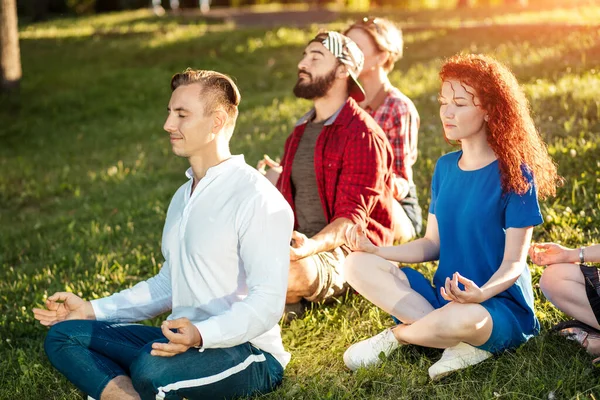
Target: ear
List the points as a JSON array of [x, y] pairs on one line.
[[486, 118], [342, 72], [382, 58], [220, 119]]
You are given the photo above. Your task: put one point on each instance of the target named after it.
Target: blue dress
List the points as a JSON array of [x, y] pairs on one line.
[[473, 214]]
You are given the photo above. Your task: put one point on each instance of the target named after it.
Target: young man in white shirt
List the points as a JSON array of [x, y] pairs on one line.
[[226, 248]]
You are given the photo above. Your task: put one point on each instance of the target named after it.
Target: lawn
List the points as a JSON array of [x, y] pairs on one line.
[[86, 175]]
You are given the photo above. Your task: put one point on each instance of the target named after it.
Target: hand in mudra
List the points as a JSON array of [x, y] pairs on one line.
[[62, 306]]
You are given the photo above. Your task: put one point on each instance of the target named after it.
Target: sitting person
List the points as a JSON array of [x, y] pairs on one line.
[[226, 247], [574, 288], [484, 204], [381, 43], [336, 171]]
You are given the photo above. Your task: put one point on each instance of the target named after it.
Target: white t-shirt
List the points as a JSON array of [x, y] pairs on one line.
[[226, 250]]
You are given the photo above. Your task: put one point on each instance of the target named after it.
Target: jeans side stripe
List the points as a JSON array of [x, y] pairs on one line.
[[210, 379]]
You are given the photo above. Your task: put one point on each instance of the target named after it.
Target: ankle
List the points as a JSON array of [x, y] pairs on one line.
[[398, 333]]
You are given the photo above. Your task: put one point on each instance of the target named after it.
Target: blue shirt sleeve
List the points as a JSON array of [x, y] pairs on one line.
[[523, 210], [434, 188]]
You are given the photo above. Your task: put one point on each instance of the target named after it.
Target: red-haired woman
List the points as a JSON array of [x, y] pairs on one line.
[[484, 204], [381, 43]]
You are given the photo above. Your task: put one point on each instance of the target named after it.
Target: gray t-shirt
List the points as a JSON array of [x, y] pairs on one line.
[[309, 211]]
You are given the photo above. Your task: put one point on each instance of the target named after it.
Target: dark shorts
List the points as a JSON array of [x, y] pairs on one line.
[[410, 205], [591, 276]]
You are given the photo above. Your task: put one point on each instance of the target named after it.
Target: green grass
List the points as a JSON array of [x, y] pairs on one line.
[[86, 175]]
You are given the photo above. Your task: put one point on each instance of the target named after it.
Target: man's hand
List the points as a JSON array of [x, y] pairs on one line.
[[187, 336], [471, 294], [357, 240], [301, 247], [63, 306], [551, 253], [272, 174], [401, 188]]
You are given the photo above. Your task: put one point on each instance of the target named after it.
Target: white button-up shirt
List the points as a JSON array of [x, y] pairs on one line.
[[226, 249]]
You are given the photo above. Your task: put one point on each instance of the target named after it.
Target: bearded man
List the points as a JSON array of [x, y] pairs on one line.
[[336, 171]]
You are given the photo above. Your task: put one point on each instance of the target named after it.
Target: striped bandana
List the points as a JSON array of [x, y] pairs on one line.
[[344, 49]]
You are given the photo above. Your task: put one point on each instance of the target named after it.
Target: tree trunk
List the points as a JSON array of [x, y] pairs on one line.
[[10, 55]]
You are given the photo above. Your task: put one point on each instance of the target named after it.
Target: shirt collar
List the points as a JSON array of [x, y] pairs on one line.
[[380, 98], [231, 162], [311, 114]]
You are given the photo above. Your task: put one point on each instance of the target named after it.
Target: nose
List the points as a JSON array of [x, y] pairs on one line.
[[448, 112], [302, 65], [169, 125]]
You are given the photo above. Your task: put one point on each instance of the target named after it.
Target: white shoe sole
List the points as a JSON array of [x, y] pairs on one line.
[[443, 368]]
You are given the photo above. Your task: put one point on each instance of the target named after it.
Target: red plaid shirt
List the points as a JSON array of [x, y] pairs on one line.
[[399, 119], [353, 166]]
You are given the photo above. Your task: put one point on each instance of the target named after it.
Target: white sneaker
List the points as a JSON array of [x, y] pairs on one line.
[[458, 357], [366, 352]]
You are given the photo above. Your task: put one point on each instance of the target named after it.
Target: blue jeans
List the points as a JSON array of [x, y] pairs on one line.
[[92, 353]]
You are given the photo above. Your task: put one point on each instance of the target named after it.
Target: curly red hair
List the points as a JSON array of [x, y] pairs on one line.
[[511, 131]]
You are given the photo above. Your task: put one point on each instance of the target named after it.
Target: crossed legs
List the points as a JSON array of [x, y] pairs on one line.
[[113, 361], [386, 286]]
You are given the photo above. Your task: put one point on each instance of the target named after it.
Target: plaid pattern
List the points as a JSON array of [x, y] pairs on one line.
[[399, 119], [353, 165]]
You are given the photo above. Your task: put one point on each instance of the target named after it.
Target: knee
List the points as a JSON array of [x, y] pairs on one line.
[[461, 320], [59, 335], [359, 266], [550, 281], [404, 231], [354, 266], [149, 373], [302, 274], [144, 375]]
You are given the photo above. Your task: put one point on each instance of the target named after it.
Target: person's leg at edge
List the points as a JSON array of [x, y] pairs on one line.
[[564, 286], [95, 355], [222, 373]]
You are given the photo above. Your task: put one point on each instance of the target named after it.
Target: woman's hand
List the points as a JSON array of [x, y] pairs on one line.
[[470, 294], [357, 240], [552, 253]]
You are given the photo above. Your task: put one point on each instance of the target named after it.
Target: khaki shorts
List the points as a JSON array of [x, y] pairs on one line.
[[330, 274]]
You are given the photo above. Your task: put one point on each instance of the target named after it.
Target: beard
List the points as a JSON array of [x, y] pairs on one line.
[[315, 87]]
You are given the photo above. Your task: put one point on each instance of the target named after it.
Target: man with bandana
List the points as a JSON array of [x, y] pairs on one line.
[[336, 171]]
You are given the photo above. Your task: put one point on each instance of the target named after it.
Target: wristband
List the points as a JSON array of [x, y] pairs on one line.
[[581, 255]]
